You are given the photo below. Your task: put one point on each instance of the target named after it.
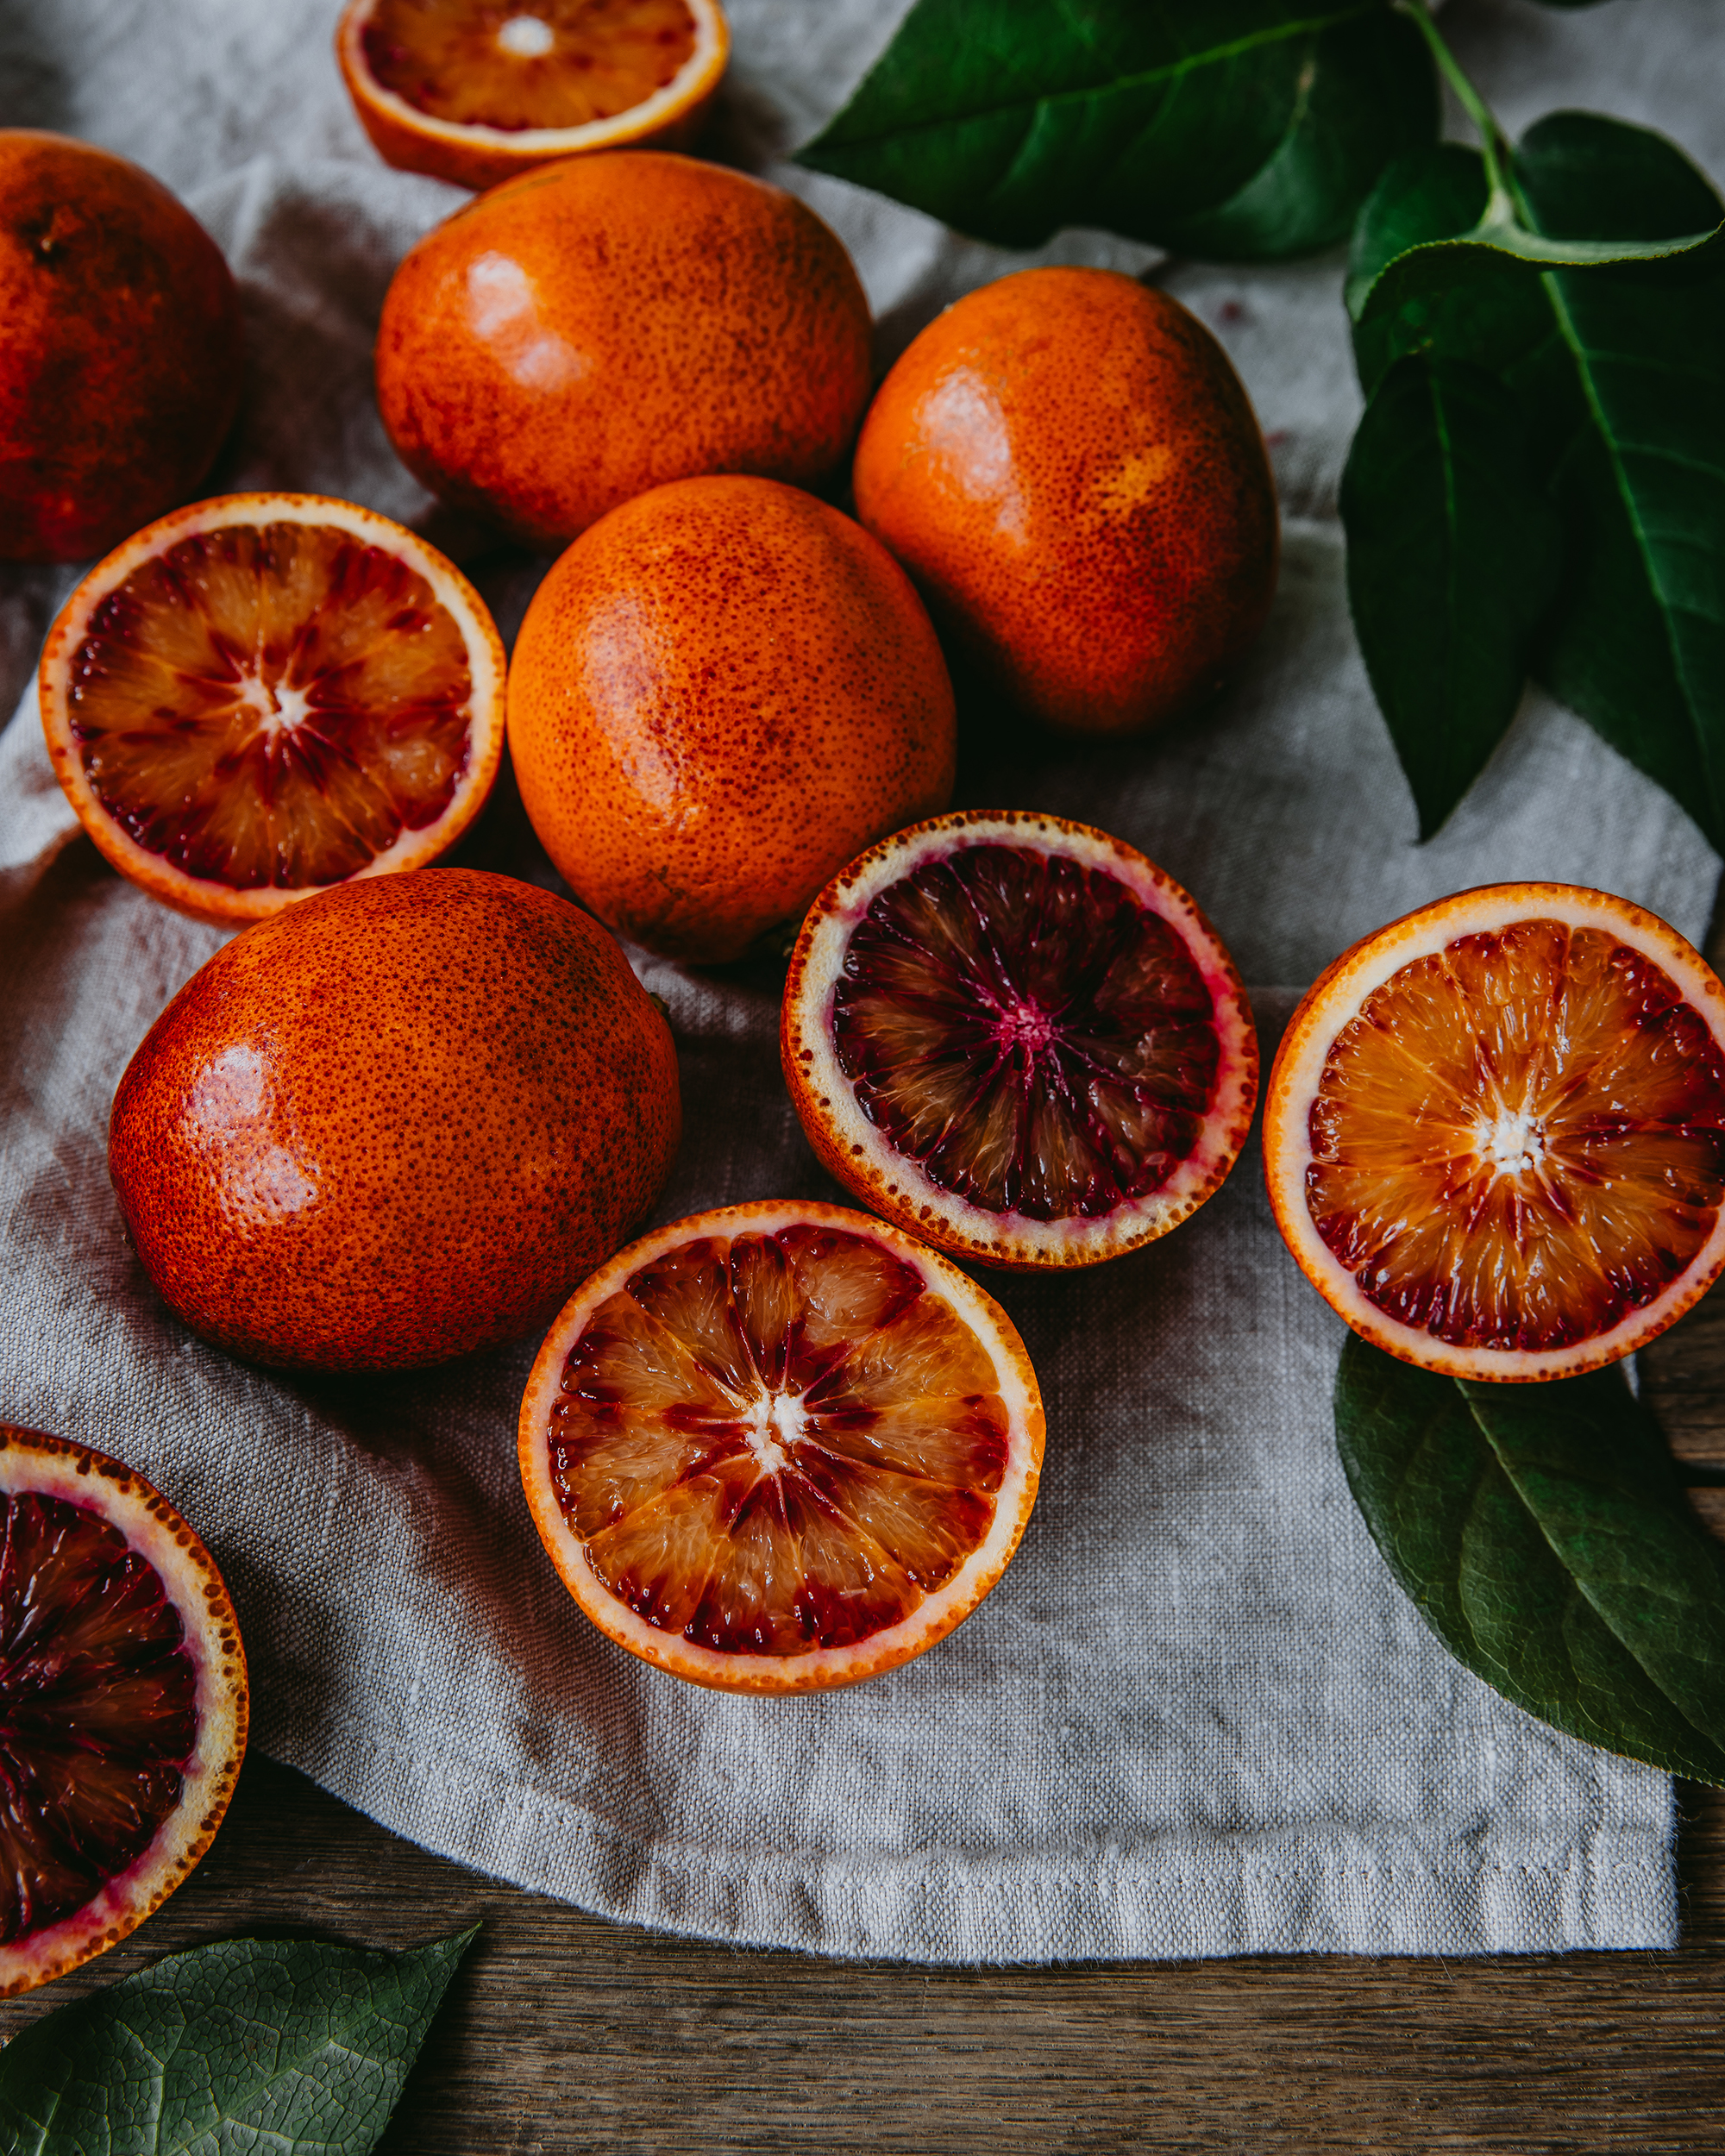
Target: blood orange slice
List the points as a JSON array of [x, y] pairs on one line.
[[1494, 1132], [265, 694], [777, 1448], [477, 90], [1019, 1038], [122, 1703]]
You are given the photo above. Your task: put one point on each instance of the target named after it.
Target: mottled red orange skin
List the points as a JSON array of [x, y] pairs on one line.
[[121, 356], [719, 694], [1068, 466], [611, 322], [395, 1124]]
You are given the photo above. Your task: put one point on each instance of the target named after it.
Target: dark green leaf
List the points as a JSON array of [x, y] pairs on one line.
[[1453, 554], [288, 2045], [1585, 178], [1615, 349], [1235, 129], [1435, 193], [1542, 1532]]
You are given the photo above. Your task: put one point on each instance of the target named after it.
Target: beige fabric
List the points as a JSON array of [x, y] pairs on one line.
[[1196, 1717]]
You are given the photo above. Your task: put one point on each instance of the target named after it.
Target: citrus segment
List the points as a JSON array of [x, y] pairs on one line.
[[476, 90], [122, 1703], [1019, 1038], [1496, 1135], [779, 1447], [265, 695]]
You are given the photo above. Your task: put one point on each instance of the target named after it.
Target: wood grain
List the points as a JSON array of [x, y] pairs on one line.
[[564, 2032]]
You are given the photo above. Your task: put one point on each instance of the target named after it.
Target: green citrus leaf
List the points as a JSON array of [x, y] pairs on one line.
[[1542, 1532], [1615, 348], [1454, 552], [1233, 129], [285, 2045], [1437, 192]]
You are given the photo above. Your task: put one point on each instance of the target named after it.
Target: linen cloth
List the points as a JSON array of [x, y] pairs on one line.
[[1196, 1717]]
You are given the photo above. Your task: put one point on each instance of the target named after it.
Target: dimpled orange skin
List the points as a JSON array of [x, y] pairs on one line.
[[121, 358], [719, 695], [395, 1124], [606, 324], [1068, 466]]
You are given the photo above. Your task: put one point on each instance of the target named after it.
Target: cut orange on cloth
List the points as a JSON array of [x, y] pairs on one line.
[[477, 90], [123, 1703], [1494, 1132], [264, 695], [777, 1448], [1019, 1038]]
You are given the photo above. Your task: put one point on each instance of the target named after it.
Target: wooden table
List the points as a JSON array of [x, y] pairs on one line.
[[562, 2032]]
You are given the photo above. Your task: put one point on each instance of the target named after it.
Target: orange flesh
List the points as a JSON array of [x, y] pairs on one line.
[[778, 1443], [447, 58], [97, 1709], [1520, 1140], [1019, 1025], [272, 707]]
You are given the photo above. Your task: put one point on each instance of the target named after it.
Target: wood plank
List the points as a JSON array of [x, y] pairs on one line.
[[566, 2032]]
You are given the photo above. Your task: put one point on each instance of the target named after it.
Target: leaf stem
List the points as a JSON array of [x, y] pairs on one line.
[[1493, 143]]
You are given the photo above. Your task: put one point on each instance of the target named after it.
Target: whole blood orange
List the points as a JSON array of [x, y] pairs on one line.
[[781, 1447], [720, 693], [1067, 465], [1494, 1132], [123, 1703], [606, 324], [477, 90], [1020, 1039], [265, 694], [122, 363], [394, 1124]]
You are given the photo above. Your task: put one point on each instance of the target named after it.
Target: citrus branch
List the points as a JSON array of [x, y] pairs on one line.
[[1493, 143]]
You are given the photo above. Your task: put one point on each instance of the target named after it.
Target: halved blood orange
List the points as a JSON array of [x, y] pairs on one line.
[[477, 90], [264, 695], [1494, 1132], [1019, 1038], [122, 1703], [777, 1448]]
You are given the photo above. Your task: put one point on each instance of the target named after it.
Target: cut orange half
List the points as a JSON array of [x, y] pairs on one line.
[[1494, 1132], [477, 90], [1019, 1038], [777, 1448], [264, 695], [122, 1703]]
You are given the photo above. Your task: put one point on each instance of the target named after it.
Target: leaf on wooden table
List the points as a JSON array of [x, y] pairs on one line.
[[1229, 129], [288, 2045], [1542, 1532], [1454, 551]]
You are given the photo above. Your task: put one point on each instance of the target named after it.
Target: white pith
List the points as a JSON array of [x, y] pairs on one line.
[[1509, 1138], [87, 1480], [898, 1184], [279, 707], [526, 37], [934, 1616], [702, 69]]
